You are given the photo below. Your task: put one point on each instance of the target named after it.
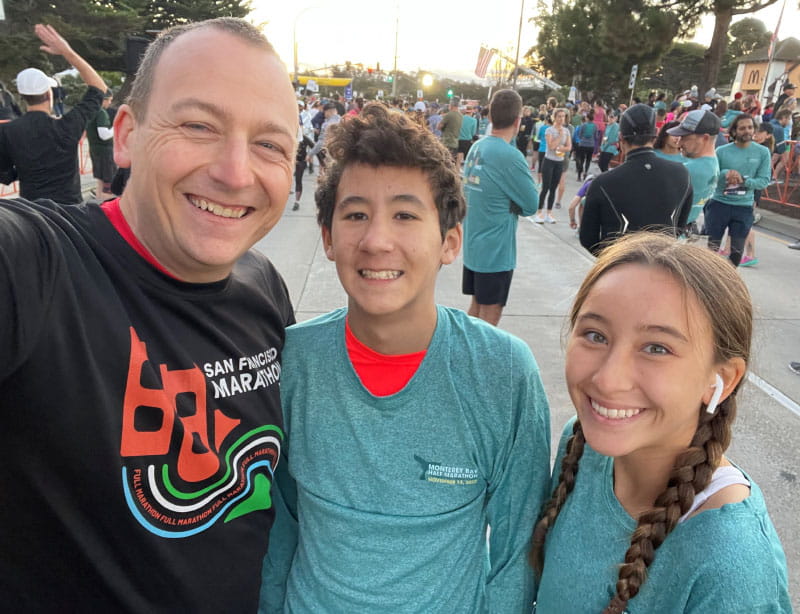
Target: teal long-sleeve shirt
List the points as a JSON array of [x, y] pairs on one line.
[[754, 165], [499, 186], [394, 494], [721, 560]]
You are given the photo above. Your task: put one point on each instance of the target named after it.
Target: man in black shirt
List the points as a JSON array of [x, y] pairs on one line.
[[140, 348], [643, 193], [38, 149]]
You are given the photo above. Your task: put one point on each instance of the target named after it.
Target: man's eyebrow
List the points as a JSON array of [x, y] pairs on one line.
[[217, 111]]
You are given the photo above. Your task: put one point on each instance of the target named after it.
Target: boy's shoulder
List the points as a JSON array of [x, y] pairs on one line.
[[316, 325], [489, 340]]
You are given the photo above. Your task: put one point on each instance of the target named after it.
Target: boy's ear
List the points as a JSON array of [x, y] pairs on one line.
[[451, 246], [327, 242]]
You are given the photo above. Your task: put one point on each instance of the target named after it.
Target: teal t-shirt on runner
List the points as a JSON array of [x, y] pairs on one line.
[[496, 177], [469, 126], [611, 139], [720, 560], [678, 157], [540, 137], [394, 494], [704, 173], [754, 164]]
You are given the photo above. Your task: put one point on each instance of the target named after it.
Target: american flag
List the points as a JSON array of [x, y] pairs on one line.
[[484, 57]]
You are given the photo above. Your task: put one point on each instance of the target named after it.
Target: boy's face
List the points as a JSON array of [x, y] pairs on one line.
[[387, 245]]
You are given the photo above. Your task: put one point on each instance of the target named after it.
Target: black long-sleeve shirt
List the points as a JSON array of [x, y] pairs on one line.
[[644, 193]]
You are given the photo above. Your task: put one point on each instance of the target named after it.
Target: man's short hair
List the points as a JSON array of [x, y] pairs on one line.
[[783, 114], [505, 108], [378, 137], [32, 100], [143, 82]]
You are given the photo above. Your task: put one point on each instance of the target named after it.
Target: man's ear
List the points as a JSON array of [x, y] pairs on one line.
[[327, 242], [124, 136], [451, 246]]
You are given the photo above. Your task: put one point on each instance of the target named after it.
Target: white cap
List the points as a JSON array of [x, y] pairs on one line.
[[33, 82]]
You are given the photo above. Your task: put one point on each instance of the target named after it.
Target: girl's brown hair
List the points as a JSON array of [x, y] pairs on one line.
[[726, 303]]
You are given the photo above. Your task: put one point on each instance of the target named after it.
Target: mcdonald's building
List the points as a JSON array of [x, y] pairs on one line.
[[751, 73]]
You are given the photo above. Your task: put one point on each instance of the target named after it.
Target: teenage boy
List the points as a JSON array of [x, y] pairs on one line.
[[412, 427]]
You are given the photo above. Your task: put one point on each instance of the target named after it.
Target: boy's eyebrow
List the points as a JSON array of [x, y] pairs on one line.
[[355, 199]]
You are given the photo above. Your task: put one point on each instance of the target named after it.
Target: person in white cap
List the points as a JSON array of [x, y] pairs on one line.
[[39, 150]]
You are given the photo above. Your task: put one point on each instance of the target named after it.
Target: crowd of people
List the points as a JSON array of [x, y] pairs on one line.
[[176, 442]]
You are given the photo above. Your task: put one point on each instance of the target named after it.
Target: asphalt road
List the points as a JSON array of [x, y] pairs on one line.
[[550, 266]]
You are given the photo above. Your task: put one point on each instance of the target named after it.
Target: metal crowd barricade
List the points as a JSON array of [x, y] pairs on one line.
[[785, 190], [84, 165]]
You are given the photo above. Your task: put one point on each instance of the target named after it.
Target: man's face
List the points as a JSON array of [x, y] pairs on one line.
[[387, 245], [693, 144], [212, 159], [744, 131]]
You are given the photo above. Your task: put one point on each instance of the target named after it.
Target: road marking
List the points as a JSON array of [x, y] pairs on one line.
[[774, 393]]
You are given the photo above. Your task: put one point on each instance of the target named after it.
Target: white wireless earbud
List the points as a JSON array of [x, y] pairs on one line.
[[718, 386]]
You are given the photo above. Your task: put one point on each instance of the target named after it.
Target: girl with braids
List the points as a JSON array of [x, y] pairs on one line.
[[647, 514]]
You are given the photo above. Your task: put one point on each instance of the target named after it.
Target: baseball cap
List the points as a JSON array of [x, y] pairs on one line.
[[33, 82], [328, 106], [638, 120], [697, 122], [789, 86]]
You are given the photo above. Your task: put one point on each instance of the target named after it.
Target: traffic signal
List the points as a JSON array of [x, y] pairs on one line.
[[449, 93], [389, 78]]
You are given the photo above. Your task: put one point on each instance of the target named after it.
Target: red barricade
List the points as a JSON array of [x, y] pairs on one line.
[[786, 188]]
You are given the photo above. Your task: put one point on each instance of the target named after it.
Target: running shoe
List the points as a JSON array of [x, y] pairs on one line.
[[538, 219], [558, 205], [723, 252], [748, 261], [550, 219], [295, 206], [794, 367], [795, 245]]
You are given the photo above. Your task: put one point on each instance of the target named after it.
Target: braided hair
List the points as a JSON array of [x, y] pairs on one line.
[[713, 282]]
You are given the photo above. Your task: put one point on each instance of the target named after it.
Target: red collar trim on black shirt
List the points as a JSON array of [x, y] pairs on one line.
[[114, 214]]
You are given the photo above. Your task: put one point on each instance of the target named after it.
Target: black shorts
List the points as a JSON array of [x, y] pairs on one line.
[[488, 288], [103, 167], [463, 146]]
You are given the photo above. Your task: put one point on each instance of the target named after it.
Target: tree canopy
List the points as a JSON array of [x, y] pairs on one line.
[[96, 29], [597, 41]]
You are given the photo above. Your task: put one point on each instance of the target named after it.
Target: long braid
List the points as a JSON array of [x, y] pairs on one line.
[[691, 474], [550, 510]]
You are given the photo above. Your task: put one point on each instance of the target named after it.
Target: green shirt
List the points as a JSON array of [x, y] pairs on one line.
[[469, 125], [394, 494], [754, 164], [496, 177], [451, 126], [100, 120], [719, 561], [704, 173]]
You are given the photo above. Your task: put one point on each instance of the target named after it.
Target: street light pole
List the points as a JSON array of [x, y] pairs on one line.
[[519, 38], [394, 71], [294, 41]]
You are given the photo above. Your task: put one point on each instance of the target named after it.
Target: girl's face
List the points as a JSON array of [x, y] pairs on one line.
[[639, 363], [558, 118], [760, 136]]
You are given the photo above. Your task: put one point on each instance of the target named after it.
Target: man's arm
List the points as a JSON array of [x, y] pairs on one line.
[[520, 187], [763, 172], [520, 488], [282, 541], [54, 44], [590, 220]]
